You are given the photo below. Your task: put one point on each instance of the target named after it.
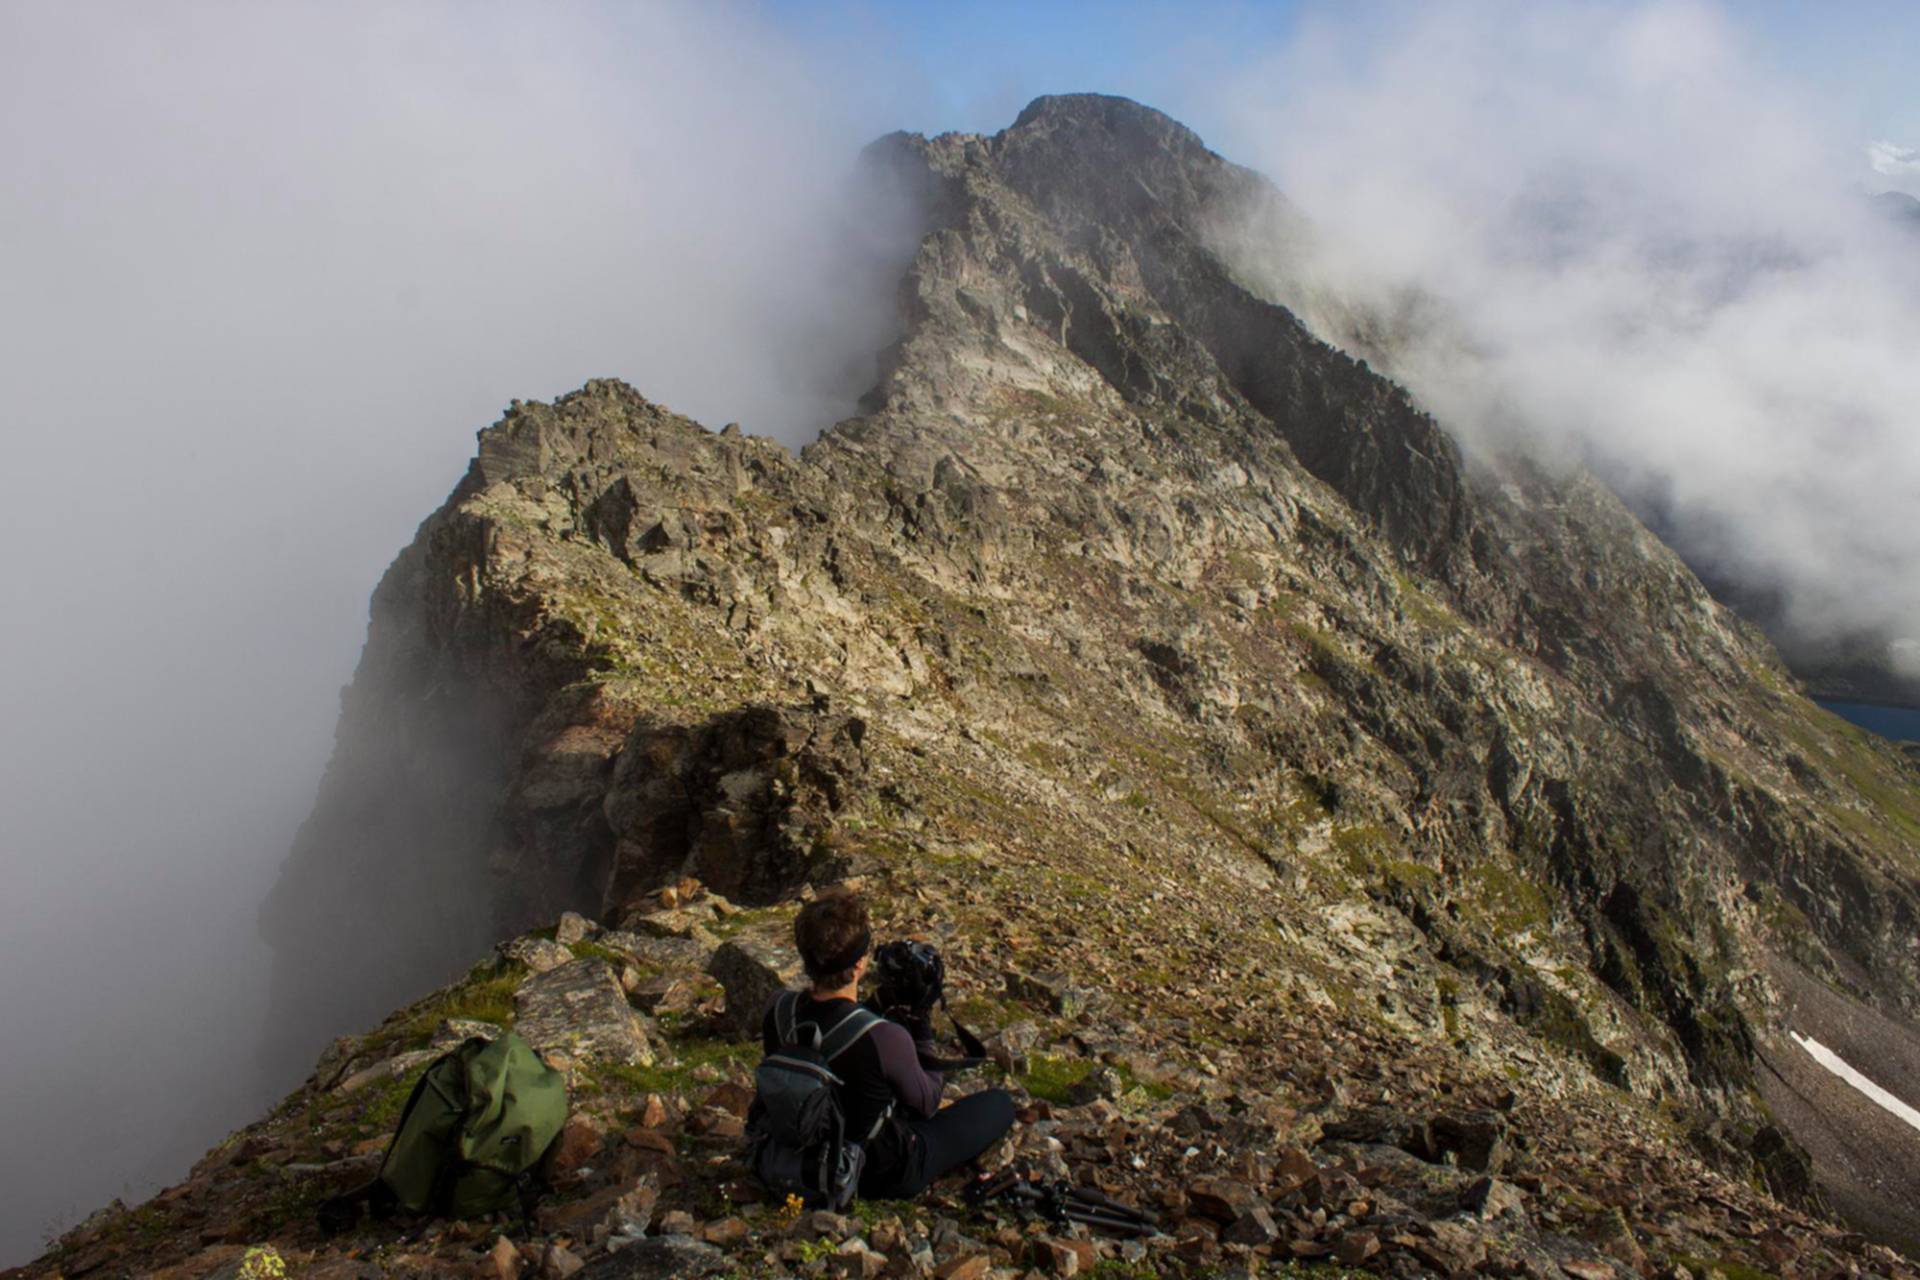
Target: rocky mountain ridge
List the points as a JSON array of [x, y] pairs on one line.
[[1181, 676]]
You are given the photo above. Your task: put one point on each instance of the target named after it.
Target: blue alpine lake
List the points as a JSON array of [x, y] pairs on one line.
[[1898, 723]]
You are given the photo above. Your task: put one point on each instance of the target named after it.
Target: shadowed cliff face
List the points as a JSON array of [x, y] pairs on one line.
[[1134, 591]]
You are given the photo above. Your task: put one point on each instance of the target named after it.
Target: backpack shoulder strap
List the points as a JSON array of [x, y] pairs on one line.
[[784, 1006], [847, 1032]]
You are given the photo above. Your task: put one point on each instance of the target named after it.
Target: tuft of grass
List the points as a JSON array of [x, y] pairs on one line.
[[382, 1109], [727, 926], [1703, 1268], [984, 1013], [1051, 1077], [676, 1076], [484, 995]]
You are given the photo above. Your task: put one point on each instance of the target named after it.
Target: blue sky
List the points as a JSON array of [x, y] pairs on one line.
[[972, 66]]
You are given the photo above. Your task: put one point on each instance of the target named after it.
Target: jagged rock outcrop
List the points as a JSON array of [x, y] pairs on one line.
[[1134, 599], [738, 802]]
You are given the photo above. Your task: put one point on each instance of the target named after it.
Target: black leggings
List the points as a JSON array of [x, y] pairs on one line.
[[945, 1140]]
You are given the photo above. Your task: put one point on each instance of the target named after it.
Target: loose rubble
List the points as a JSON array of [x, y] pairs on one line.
[[1349, 1155]]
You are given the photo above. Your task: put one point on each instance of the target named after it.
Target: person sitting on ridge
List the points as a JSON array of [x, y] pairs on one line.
[[882, 1080]]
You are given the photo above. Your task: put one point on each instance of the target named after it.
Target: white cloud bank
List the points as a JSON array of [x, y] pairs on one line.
[[1891, 160], [264, 269], [1605, 228]]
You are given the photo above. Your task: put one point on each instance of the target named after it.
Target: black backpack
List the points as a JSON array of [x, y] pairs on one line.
[[797, 1138]]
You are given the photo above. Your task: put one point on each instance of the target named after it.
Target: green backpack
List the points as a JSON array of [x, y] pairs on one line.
[[477, 1124]]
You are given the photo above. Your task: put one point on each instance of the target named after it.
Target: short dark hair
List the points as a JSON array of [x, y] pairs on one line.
[[832, 933]]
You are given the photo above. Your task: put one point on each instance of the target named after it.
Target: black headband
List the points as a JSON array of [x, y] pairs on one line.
[[849, 957]]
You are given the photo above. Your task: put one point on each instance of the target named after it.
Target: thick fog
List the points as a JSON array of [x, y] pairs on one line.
[[1622, 231], [264, 269]]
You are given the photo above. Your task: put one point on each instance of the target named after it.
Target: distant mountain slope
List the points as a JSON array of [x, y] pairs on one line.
[[1899, 205]]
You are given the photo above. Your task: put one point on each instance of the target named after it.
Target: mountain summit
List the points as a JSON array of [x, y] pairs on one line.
[[1359, 851]]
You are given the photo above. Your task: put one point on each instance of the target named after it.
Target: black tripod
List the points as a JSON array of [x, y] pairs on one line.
[[1060, 1201]]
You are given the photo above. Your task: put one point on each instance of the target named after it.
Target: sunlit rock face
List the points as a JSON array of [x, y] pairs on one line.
[[1133, 600]]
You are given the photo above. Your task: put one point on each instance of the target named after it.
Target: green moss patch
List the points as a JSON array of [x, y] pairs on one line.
[[484, 995], [1052, 1078], [676, 1076]]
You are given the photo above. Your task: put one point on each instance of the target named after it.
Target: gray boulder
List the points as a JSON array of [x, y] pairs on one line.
[[753, 971], [690, 953], [581, 1011]]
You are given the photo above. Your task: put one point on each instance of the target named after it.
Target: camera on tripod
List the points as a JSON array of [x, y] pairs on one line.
[[912, 979]]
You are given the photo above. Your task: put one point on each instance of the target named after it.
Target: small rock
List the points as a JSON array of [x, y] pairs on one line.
[[1477, 1140], [855, 1260], [1053, 988], [1292, 1170], [678, 923], [665, 1257], [558, 1263], [1099, 1083], [580, 1141], [663, 993], [632, 1212], [1086, 1250], [504, 1259], [713, 1122], [1492, 1198], [454, 1032], [1056, 1256], [641, 1138], [334, 1061], [392, 1069], [653, 1112], [753, 971], [538, 954], [1581, 1269], [1222, 1201], [1384, 1126], [1254, 1227], [1019, 1037], [677, 1222], [822, 1223], [573, 927], [726, 1232], [1450, 1247], [1196, 1249], [1615, 1239], [972, 1266], [1356, 1247]]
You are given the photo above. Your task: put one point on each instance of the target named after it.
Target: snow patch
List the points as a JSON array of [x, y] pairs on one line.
[[1845, 1070]]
